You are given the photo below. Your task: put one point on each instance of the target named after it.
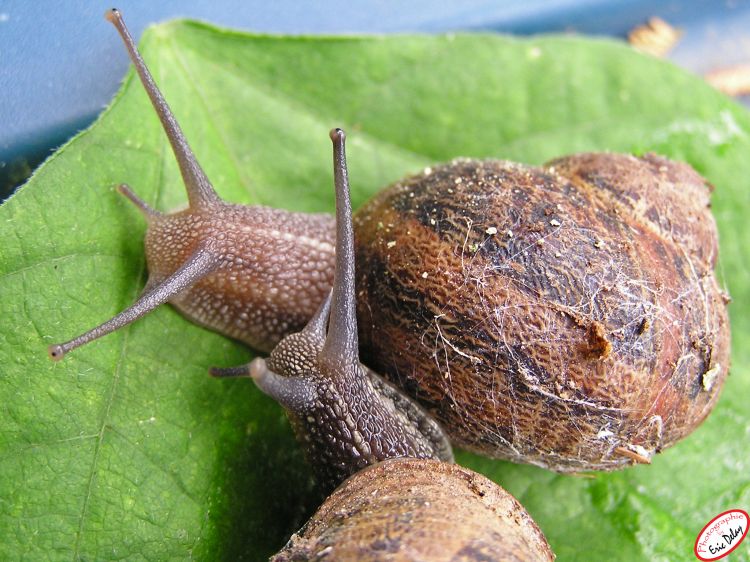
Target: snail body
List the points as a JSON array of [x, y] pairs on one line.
[[345, 416], [566, 316], [403, 499]]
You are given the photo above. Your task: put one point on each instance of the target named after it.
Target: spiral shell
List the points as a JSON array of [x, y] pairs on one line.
[[417, 509], [566, 315]]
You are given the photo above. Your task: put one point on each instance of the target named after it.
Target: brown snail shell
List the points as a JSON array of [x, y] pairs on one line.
[[565, 315], [418, 509]]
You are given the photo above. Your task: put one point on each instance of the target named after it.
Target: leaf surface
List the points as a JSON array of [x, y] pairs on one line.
[[127, 450]]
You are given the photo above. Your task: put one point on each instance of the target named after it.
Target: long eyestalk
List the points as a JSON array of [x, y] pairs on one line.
[[342, 341], [199, 189], [199, 265]]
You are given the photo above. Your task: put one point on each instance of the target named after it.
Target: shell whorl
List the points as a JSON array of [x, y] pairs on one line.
[[556, 315]]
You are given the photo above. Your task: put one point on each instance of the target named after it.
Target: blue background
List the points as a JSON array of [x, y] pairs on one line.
[[60, 62]]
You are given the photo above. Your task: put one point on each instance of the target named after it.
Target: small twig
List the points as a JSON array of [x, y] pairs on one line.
[[632, 455]]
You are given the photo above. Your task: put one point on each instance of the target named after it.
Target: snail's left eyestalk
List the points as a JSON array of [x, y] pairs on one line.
[[342, 329], [200, 264]]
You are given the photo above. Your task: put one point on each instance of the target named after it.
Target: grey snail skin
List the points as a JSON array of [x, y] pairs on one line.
[[403, 499], [564, 315], [345, 416]]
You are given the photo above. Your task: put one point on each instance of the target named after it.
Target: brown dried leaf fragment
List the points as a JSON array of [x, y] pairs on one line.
[[731, 80], [656, 37]]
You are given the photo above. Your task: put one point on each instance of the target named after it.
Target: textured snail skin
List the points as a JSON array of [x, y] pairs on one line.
[[417, 509], [353, 418], [565, 316], [276, 267], [345, 416]]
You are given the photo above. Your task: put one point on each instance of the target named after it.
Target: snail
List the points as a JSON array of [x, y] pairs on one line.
[[403, 499], [565, 315], [345, 415]]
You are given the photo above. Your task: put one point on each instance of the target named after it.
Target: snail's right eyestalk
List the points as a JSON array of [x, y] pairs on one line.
[[342, 330], [199, 188]]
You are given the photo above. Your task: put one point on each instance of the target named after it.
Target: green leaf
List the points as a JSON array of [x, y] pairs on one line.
[[127, 450]]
